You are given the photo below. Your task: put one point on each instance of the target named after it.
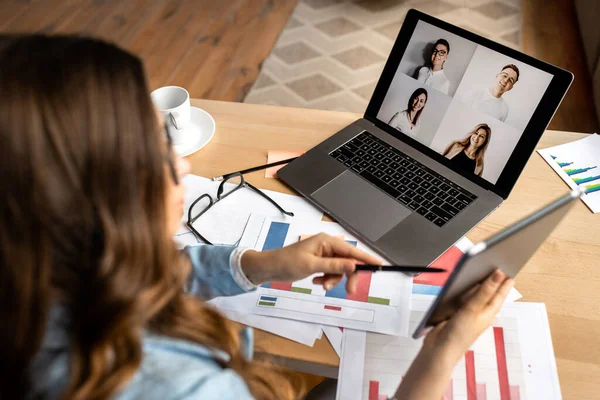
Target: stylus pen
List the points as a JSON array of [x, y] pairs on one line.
[[257, 168], [397, 268]]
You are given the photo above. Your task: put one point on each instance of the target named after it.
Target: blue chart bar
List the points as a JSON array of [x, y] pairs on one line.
[[352, 242], [426, 289], [585, 180], [276, 236], [592, 189], [571, 172], [267, 298], [339, 292]]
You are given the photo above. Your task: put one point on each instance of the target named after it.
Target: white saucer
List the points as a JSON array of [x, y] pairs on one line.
[[202, 129]]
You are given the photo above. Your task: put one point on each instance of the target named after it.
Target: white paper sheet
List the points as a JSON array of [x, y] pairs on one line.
[[335, 335], [578, 164], [224, 223], [522, 328], [237, 309], [332, 307]]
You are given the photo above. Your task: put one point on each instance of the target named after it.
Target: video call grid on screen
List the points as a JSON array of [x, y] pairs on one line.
[[479, 101]]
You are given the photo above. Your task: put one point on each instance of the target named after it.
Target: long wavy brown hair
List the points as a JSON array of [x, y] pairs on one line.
[[457, 146], [83, 221]]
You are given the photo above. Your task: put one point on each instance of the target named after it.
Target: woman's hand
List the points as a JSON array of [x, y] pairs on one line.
[[477, 313], [446, 344], [321, 253]]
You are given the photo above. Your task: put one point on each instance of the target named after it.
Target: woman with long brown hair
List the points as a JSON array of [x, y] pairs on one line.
[[96, 300], [468, 153], [408, 121]]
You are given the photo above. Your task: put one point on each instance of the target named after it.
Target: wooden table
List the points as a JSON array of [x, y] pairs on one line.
[[564, 273]]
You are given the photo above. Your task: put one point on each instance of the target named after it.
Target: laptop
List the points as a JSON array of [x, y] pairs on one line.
[[450, 126]]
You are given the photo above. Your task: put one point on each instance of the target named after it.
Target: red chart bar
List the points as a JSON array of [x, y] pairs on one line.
[[449, 395], [373, 390], [362, 288], [334, 308], [447, 261], [470, 367], [281, 286], [481, 394], [501, 360], [515, 393]]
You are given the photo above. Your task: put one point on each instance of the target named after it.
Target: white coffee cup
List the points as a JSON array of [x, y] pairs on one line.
[[174, 104]]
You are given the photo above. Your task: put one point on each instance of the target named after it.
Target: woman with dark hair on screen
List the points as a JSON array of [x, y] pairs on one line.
[[407, 121], [432, 74], [468, 153], [97, 302]]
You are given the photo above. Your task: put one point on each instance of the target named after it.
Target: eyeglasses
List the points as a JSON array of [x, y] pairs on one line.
[[170, 160], [442, 53], [504, 75], [204, 203]]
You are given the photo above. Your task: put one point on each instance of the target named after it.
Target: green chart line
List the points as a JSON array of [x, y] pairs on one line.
[[579, 181], [378, 300], [576, 171], [300, 290], [592, 188]]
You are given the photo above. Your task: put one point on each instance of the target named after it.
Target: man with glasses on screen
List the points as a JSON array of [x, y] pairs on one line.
[[490, 100]]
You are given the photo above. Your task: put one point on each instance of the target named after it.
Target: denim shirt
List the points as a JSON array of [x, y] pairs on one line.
[[170, 368]]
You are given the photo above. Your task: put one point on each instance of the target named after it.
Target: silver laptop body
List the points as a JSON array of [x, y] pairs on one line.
[[401, 228]]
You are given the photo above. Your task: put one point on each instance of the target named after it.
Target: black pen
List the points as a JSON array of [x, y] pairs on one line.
[[398, 268], [248, 170]]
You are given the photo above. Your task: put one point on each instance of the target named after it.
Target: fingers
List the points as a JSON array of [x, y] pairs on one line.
[[334, 265], [487, 290], [497, 300], [340, 248], [330, 281], [351, 283]]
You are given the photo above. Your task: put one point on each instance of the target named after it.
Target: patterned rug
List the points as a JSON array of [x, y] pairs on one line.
[[331, 52]]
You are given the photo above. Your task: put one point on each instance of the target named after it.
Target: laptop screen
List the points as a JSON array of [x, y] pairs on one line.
[[465, 101]]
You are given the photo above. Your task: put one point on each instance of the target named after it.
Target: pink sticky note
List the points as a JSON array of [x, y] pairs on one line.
[[278, 155]]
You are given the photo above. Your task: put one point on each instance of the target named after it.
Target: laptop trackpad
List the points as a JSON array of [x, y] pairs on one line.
[[365, 208]]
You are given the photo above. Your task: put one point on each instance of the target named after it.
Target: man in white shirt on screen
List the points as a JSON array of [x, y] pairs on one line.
[[433, 74], [490, 100]]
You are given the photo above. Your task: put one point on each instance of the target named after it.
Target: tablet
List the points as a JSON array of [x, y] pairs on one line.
[[508, 250]]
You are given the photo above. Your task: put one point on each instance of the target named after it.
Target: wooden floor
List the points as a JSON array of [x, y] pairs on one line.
[[550, 33], [214, 48]]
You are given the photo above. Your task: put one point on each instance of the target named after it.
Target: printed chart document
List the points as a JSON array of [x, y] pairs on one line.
[[238, 308], [578, 164], [513, 360], [380, 304], [225, 222]]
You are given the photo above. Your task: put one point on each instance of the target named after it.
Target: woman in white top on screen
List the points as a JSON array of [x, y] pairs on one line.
[[407, 121], [433, 74]]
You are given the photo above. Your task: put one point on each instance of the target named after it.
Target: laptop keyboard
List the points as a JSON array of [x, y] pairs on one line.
[[409, 182]]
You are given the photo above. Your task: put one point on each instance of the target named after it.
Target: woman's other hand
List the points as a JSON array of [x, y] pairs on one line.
[[477, 313], [321, 253], [446, 343]]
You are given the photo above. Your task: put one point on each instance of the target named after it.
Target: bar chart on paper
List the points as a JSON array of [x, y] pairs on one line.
[[512, 360], [492, 369], [380, 303], [431, 284], [578, 164]]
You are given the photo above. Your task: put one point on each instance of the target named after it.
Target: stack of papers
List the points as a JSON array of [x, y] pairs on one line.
[[301, 311], [513, 359]]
